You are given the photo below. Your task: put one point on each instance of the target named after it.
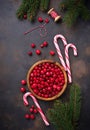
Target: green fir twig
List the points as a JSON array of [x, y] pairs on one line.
[[44, 4], [31, 8], [65, 115], [73, 10]]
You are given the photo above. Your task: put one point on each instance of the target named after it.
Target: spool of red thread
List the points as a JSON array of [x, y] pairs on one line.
[[54, 15]]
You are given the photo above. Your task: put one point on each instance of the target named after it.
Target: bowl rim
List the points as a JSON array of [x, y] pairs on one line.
[[28, 82]]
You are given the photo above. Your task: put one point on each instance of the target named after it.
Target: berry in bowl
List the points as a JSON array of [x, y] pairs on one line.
[[47, 80]]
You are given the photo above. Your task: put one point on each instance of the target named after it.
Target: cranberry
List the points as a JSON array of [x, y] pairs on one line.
[[41, 45], [35, 91], [22, 89], [30, 53], [32, 116], [46, 96], [49, 88], [32, 106], [46, 20], [23, 82], [54, 86], [33, 45], [45, 44], [47, 74], [38, 52], [40, 19], [31, 110], [34, 85], [58, 88], [52, 53], [35, 111], [25, 16], [27, 116]]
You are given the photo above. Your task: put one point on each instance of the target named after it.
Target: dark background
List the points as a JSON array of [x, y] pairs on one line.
[[14, 64]]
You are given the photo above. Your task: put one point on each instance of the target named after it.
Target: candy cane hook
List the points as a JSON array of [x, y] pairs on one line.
[[37, 105], [58, 49], [67, 59]]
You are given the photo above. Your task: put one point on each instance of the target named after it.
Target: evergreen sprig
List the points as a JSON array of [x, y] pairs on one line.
[[65, 115], [44, 4], [28, 7], [31, 7], [74, 9]]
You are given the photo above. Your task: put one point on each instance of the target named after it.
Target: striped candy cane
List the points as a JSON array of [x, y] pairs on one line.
[[58, 49], [37, 105], [67, 59]]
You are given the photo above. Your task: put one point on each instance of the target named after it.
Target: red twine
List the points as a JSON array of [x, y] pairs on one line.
[[43, 31], [54, 15]]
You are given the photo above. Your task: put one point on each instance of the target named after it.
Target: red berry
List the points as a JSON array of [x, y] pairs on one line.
[[35, 111], [25, 16], [41, 45], [27, 116], [34, 85], [30, 53], [32, 106], [31, 110], [36, 91], [45, 44], [32, 116], [22, 89], [54, 86], [46, 20], [38, 52], [33, 45], [52, 53], [23, 82], [40, 19]]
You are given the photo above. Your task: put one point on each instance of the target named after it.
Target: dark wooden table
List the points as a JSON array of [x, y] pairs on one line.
[[14, 65]]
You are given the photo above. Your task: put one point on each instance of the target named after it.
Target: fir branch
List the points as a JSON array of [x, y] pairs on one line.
[[65, 115], [28, 7], [71, 17], [75, 97], [74, 9], [44, 4]]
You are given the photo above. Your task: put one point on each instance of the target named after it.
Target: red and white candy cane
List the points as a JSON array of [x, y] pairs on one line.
[[58, 49], [67, 59], [37, 105]]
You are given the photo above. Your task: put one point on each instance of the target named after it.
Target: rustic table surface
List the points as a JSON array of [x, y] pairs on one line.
[[14, 65]]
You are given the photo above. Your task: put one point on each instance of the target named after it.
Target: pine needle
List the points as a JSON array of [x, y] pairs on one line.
[[65, 115], [73, 10]]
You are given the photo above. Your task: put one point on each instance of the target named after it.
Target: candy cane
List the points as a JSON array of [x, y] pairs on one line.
[[58, 49], [67, 59], [36, 103]]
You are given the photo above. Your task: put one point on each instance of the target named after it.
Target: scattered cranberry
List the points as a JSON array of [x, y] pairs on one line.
[[40, 19], [52, 53], [31, 110], [32, 116], [46, 20], [32, 106], [22, 89], [25, 16], [45, 44], [35, 111], [38, 52], [23, 82], [27, 116], [30, 53], [33, 45], [41, 45]]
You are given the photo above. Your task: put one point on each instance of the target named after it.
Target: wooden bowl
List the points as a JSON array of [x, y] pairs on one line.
[[59, 93]]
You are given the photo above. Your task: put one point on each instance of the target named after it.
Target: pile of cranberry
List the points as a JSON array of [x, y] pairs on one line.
[[46, 79]]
